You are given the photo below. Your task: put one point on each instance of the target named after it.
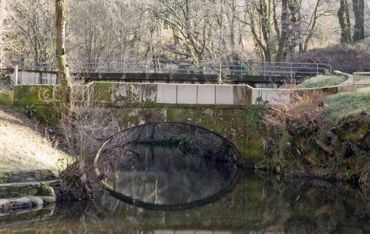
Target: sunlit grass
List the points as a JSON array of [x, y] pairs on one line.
[[343, 104], [322, 81], [24, 148]]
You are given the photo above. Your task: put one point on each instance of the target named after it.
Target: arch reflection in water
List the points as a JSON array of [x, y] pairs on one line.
[[167, 166]]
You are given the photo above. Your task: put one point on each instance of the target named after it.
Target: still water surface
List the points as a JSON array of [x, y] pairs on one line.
[[257, 204], [181, 179]]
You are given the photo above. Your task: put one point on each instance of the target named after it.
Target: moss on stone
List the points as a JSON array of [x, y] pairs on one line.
[[6, 98], [232, 122], [33, 94], [102, 92], [170, 114]]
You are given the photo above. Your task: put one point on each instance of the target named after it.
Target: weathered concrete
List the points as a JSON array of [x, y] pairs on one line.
[[206, 94], [225, 95], [44, 188], [26, 176], [19, 204], [225, 109], [121, 94], [22, 195], [187, 94], [167, 93]]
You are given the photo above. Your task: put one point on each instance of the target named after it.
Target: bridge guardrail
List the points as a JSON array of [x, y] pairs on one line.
[[361, 80], [235, 68]]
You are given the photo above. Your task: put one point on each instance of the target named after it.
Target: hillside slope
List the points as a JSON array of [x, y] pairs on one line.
[[345, 58], [23, 147]]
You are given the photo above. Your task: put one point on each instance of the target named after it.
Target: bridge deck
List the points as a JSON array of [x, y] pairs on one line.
[[188, 78]]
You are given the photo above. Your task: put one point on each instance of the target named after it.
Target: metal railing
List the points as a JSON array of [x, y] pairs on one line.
[[235, 68], [361, 80]]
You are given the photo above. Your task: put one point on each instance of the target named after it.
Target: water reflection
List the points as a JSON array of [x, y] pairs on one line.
[[258, 204], [168, 166]]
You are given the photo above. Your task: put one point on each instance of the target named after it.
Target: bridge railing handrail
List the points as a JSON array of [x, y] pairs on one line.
[[183, 66]]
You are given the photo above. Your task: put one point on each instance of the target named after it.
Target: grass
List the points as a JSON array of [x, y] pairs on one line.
[[343, 104], [364, 90], [322, 81], [24, 148]]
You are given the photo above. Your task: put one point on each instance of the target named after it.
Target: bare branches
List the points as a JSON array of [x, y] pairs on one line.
[[223, 30]]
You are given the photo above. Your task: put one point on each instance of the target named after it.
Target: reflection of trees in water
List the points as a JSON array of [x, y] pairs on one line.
[[257, 204], [265, 204], [165, 175], [168, 164]]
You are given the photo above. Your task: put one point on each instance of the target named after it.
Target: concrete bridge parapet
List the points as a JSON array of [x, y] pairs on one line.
[[228, 110], [120, 94]]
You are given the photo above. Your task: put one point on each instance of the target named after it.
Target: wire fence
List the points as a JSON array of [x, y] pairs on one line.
[[234, 68]]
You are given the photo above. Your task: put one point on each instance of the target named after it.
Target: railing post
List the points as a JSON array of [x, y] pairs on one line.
[[354, 77], [16, 74], [317, 69], [220, 74]]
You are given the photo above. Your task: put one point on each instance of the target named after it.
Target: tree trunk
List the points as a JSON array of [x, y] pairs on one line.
[[2, 17], [295, 33], [62, 69], [281, 53], [345, 22], [359, 29]]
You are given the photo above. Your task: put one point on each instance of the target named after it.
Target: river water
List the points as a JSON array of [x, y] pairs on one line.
[[186, 180]]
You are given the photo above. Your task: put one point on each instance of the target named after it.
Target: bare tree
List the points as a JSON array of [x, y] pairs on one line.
[[106, 30], [32, 30], [359, 27], [344, 22], [2, 18], [62, 68]]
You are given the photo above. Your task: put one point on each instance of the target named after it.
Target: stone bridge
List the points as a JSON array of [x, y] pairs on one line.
[[229, 110]]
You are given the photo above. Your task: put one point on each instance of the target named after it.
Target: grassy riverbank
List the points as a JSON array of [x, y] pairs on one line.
[[323, 81], [23, 146], [322, 137], [344, 104]]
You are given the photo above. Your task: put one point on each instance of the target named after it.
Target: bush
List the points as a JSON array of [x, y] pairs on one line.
[[86, 128]]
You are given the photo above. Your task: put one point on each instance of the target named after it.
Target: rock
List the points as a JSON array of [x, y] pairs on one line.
[[25, 203], [37, 202], [13, 204], [49, 199], [26, 176], [28, 189]]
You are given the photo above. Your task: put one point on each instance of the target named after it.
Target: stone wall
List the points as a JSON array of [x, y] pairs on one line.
[[225, 109], [221, 109]]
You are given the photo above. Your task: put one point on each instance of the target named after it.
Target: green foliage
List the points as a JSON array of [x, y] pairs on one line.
[[6, 98], [255, 133], [30, 111]]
